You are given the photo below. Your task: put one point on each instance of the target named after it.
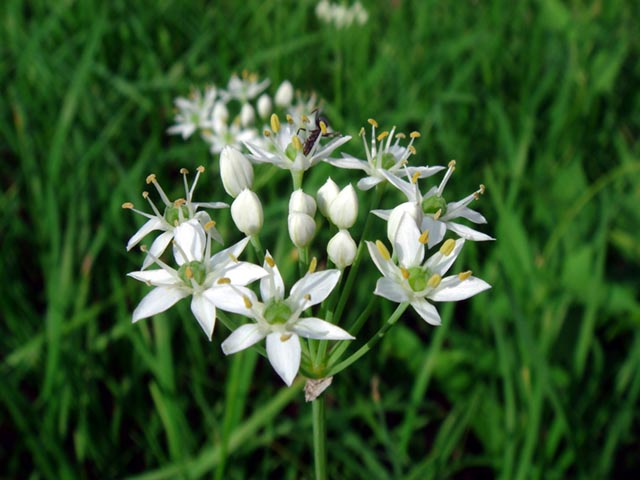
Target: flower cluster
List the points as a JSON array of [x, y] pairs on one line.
[[252, 292], [340, 15]]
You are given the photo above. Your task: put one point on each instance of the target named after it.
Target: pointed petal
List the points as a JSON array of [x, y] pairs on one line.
[[205, 313], [243, 273], [367, 183], [242, 337], [386, 266], [230, 254], [158, 300], [149, 226], [190, 239], [316, 285], [468, 233], [271, 286], [383, 214], [407, 246], [436, 229], [428, 312], [348, 162], [452, 289], [391, 290], [284, 355], [319, 329], [232, 299], [158, 247], [158, 277]]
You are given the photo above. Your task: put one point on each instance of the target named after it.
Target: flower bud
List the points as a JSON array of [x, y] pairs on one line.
[[264, 105], [247, 115], [246, 211], [407, 208], [284, 94], [327, 194], [219, 116], [189, 240], [343, 210], [302, 227], [342, 249], [236, 171], [300, 202]]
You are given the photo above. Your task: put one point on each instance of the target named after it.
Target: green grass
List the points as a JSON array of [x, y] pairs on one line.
[[537, 378]]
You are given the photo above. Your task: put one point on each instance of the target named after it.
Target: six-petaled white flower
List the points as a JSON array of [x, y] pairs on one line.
[[414, 281], [278, 319]]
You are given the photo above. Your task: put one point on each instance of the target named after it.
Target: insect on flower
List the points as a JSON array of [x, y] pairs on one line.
[[322, 125]]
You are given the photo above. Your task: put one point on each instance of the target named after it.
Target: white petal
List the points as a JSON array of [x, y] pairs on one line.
[[242, 337], [189, 243], [386, 266], [149, 226], [226, 256], [317, 285], [271, 286], [428, 312], [440, 263], [452, 289], [316, 328], [456, 211], [391, 290], [284, 355], [243, 273], [158, 300], [348, 162], [158, 247], [205, 313], [231, 299], [407, 245], [158, 277], [367, 183], [468, 233], [436, 229]]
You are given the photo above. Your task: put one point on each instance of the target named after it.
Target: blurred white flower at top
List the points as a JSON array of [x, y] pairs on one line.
[[194, 112], [244, 89], [340, 15]]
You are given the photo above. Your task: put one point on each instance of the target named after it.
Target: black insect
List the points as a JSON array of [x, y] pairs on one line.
[[322, 123]]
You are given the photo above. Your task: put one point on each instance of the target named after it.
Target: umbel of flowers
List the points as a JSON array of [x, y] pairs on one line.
[[306, 326]]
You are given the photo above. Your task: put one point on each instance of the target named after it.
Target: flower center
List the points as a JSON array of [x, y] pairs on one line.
[[277, 312], [193, 271], [291, 152], [172, 214], [431, 205], [388, 160], [418, 278]]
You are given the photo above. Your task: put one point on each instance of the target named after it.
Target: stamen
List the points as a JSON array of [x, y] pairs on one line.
[[405, 273], [145, 194], [313, 265], [447, 247], [184, 171], [266, 133], [412, 149], [179, 202], [382, 135], [200, 169], [209, 224], [362, 132], [233, 258], [284, 337], [143, 248], [372, 122], [452, 164], [289, 119], [464, 275], [127, 205], [270, 261], [188, 272], [304, 118], [424, 237], [482, 189], [434, 280], [247, 302], [275, 123], [307, 297], [383, 250], [415, 135], [415, 177], [150, 178], [436, 215], [297, 143], [223, 281], [400, 136], [323, 127]]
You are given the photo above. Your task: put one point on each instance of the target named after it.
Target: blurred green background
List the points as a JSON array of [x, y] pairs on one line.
[[537, 378]]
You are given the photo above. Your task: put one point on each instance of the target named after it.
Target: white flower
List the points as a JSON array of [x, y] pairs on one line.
[[246, 212], [245, 88], [343, 210], [264, 105], [433, 211], [342, 249], [302, 227], [198, 273], [174, 214], [384, 159], [292, 148], [284, 94], [278, 319], [222, 134], [247, 115], [413, 281], [327, 194], [300, 202], [236, 171], [193, 113]]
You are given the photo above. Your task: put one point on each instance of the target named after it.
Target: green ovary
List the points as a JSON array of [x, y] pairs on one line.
[[172, 214], [418, 278], [431, 205], [388, 160], [277, 313], [193, 270]]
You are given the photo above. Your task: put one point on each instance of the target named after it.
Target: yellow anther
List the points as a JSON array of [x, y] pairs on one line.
[[412, 149], [304, 118], [464, 275], [289, 118], [223, 281], [188, 272], [151, 178], [145, 195], [405, 273], [436, 215], [307, 297], [372, 122], [184, 171], [233, 258], [362, 132], [200, 169], [313, 265], [424, 237], [267, 133], [434, 280], [400, 135], [383, 250], [296, 142], [452, 164], [284, 337], [127, 205], [482, 189], [415, 135], [275, 123], [143, 248], [247, 302], [207, 132], [323, 127], [382, 136], [270, 261], [447, 247], [209, 224], [415, 177], [179, 202]]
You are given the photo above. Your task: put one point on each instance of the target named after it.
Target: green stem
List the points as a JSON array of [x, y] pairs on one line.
[[319, 438], [371, 343], [257, 248]]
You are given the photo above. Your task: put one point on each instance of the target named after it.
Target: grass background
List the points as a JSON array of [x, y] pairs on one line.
[[537, 378]]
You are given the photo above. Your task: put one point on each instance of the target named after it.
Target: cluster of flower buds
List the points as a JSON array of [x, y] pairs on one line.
[[221, 282], [340, 15]]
